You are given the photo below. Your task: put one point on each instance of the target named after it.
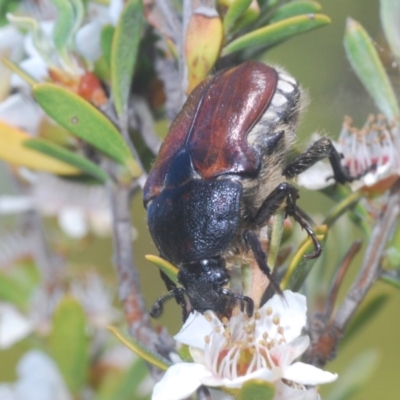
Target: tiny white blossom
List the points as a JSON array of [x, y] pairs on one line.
[[38, 379], [230, 352], [14, 326], [376, 144], [96, 300]]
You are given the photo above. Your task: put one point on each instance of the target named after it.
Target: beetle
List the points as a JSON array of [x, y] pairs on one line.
[[221, 174]]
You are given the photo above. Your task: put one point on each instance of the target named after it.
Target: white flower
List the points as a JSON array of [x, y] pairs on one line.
[[228, 353], [38, 379], [96, 299], [80, 209], [13, 326], [377, 143]]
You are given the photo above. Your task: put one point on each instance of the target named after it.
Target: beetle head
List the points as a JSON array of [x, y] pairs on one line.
[[204, 283]]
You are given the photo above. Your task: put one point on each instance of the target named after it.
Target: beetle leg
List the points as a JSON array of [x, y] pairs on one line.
[[286, 192], [248, 300], [157, 308], [255, 245], [180, 299], [319, 150]]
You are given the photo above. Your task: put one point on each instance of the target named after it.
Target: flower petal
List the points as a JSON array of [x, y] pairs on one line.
[[288, 312], [308, 374], [284, 392], [39, 378], [87, 40], [73, 222], [196, 328], [180, 381], [264, 374], [316, 177], [16, 105], [284, 354], [13, 326]]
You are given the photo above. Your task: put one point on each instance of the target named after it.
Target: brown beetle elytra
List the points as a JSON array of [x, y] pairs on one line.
[[220, 176]]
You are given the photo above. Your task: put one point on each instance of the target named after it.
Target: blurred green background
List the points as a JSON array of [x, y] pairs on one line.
[[318, 61]]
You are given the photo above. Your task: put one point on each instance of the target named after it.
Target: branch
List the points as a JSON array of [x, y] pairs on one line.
[[325, 347], [130, 293], [145, 124]]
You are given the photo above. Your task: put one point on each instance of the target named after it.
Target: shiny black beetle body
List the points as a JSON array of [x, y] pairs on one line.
[[221, 174]]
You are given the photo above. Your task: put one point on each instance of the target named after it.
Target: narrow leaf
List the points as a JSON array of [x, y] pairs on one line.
[[356, 375], [141, 350], [106, 39], [276, 238], [277, 32], [202, 46], [85, 121], [392, 277], [40, 40], [170, 270], [69, 344], [19, 71], [299, 267], [367, 312], [124, 52], [122, 385], [368, 67], [347, 203], [17, 286], [295, 8], [63, 29], [12, 150], [67, 156], [390, 11], [257, 389], [235, 11]]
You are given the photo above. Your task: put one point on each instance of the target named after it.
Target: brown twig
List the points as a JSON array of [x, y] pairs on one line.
[[325, 347], [145, 124], [339, 276], [130, 293]]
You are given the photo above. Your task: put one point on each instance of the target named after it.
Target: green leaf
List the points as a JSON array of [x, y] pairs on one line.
[[235, 11], [69, 19], [18, 284], [124, 52], [170, 270], [368, 67], [141, 350], [69, 344], [67, 156], [122, 385], [389, 12], [6, 7], [347, 203], [300, 267], [19, 71], [296, 8], [184, 353], [392, 253], [257, 389], [277, 32], [355, 376], [12, 150], [364, 315], [392, 277], [85, 121], [357, 213], [106, 39], [276, 238], [40, 40]]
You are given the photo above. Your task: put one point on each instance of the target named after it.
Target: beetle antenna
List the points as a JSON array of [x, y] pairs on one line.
[[157, 308]]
